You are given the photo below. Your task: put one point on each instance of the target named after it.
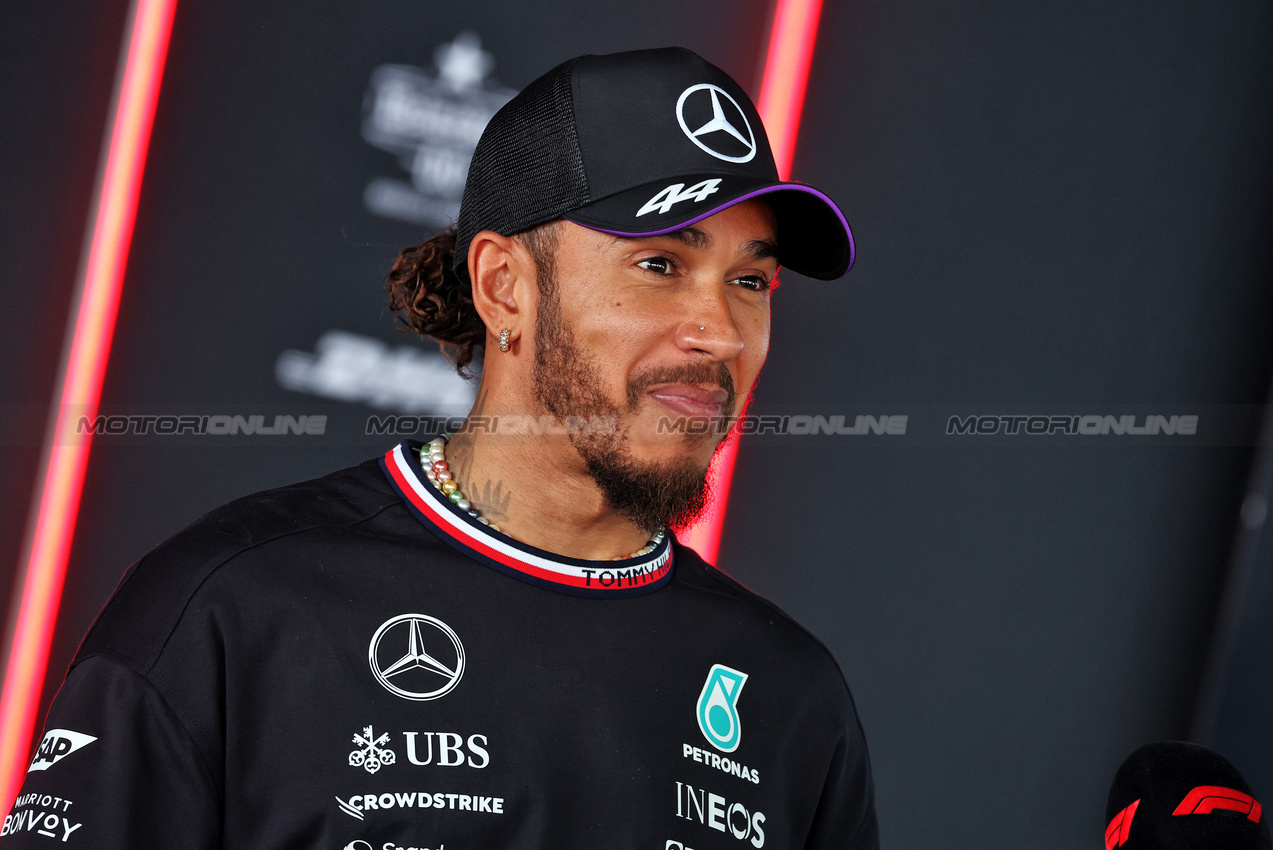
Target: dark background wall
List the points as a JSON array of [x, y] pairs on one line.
[[55, 90], [1060, 209]]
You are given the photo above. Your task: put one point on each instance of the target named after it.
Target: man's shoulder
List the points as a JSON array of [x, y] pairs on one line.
[[160, 586], [747, 610]]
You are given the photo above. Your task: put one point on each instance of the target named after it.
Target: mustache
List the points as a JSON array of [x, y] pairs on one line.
[[712, 374]]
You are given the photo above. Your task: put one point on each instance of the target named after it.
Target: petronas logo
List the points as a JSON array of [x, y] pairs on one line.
[[718, 707]]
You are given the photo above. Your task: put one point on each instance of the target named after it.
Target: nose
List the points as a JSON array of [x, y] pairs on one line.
[[709, 327]]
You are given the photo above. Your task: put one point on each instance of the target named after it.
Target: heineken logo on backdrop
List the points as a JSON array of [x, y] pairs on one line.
[[430, 120]]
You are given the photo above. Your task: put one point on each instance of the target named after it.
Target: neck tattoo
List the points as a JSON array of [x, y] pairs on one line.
[[436, 469]]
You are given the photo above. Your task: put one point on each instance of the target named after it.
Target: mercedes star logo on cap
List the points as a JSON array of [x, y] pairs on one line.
[[714, 134]]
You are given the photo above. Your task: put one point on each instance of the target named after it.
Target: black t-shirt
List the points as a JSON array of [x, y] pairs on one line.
[[353, 662]]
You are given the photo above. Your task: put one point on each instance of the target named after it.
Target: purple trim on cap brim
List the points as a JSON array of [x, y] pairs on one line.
[[777, 187]]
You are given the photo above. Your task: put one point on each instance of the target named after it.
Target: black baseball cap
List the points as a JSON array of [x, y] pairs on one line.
[[638, 144]]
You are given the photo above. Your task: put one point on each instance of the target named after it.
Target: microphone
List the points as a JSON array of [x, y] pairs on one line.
[[1172, 795]]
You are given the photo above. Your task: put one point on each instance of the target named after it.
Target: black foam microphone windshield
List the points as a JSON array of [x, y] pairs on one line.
[[1172, 795]]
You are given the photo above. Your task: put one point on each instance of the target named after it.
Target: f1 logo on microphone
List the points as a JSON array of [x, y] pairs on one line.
[[1120, 828], [1205, 799]]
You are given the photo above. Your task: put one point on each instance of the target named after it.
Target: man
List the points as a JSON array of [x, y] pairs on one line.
[[491, 641]]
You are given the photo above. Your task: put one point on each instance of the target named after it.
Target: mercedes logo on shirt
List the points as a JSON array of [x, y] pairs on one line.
[[416, 657], [716, 123]]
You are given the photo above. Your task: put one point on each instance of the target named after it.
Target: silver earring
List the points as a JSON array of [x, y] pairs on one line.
[[503, 339], [700, 327]]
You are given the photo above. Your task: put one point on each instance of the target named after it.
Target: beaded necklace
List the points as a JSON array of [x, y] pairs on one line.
[[436, 469]]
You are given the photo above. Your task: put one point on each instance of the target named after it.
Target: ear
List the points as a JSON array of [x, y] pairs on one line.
[[503, 275]]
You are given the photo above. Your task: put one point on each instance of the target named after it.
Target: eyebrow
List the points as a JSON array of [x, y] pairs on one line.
[[762, 249], [756, 249], [692, 237]]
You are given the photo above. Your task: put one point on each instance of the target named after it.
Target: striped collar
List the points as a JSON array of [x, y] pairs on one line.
[[626, 577]]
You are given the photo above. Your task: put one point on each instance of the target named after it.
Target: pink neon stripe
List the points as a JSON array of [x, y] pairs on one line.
[[786, 76], [66, 458], [791, 40]]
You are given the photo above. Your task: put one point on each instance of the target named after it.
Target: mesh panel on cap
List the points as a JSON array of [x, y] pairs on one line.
[[527, 168]]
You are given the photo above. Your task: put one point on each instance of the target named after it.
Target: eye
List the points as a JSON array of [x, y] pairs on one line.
[[753, 282], [658, 265]]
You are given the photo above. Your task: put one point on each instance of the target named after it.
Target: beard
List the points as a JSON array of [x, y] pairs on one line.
[[672, 493]]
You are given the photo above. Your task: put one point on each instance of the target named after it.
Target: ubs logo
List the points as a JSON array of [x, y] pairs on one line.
[[416, 657]]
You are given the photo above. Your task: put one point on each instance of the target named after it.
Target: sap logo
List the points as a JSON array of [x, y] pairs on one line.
[[670, 196], [57, 745], [714, 811], [450, 749]]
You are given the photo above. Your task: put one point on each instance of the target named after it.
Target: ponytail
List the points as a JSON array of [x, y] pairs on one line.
[[428, 297]]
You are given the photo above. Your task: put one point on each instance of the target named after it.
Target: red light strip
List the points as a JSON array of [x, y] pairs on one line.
[[782, 91], [87, 348], [791, 40]]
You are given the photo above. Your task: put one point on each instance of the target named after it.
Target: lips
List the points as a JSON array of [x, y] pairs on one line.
[[689, 400]]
